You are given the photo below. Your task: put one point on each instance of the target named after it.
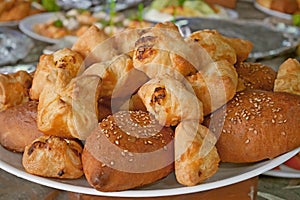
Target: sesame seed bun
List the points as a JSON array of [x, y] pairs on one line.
[[128, 149], [257, 125]]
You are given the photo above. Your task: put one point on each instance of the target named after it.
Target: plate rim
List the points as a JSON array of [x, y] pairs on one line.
[[25, 25], [272, 12], [265, 166]]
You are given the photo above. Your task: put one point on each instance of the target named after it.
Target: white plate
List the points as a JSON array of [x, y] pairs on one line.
[[9, 23], [272, 12], [283, 171], [26, 26], [227, 174]]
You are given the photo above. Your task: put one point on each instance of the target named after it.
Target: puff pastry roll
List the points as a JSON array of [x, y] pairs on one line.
[[215, 86], [119, 77], [196, 157], [156, 52], [72, 111], [288, 77], [54, 157], [57, 70], [170, 101], [14, 89]]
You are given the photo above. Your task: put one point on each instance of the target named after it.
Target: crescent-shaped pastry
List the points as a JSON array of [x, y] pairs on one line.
[[170, 101]]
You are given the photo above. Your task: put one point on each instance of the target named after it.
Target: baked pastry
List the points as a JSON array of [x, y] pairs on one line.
[[255, 76], [170, 101], [14, 89], [70, 112], [213, 43], [285, 6], [56, 70], [18, 126], [256, 125], [288, 77], [196, 157], [157, 53], [128, 149], [119, 78], [54, 157], [215, 86]]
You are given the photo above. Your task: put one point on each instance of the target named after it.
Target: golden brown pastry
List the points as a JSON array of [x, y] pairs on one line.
[[54, 157], [56, 70], [170, 101], [255, 76], [70, 112], [212, 41], [285, 6], [196, 157], [215, 86], [288, 77], [15, 10], [119, 77], [127, 150], [18, 126], [256, 125], [157, 53], [14, 89]]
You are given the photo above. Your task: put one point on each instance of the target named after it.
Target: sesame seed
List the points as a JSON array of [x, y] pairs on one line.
[[247, 141], [112, 163], [117, 142]]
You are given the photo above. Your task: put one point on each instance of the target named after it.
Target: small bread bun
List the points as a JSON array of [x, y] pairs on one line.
[[55, 157], [257, 125], [18, 126], [128, 149], [285, 6], [255, 76]]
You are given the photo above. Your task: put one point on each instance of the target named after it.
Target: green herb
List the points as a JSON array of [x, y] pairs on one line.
[[112, 11], [181, 2], [296, 19], [50, 5], [58, 23], [140, 12]]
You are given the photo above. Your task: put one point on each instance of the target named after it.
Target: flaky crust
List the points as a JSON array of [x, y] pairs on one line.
[[215, 86], [196, 157], [170, 101], [56, 70], [257, 125], [54, 157], [157, 53], [14, 89], [18, 126], [127, 150], [288, 77], [255, 76]]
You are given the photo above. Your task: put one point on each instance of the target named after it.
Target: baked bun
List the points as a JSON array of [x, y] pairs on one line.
[[285, 6], [14, 89], [255, 76], [257, 125], [18, 126], [55, 157], [128, 149]]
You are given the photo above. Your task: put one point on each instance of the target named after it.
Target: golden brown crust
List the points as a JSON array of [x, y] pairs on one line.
[[54, 157], [14, 89], [18, 126], [255, 76], [215, 86], [196, 157], [127, 150], [258, 125], [288, 77]]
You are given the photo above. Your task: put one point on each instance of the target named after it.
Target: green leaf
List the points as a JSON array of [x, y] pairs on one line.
[[50, 5], [58, 23], [296, 19]]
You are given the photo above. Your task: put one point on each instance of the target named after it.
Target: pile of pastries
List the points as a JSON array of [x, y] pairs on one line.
[[129, 110]]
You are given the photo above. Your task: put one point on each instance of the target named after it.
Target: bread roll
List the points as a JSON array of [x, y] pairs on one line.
[[285, 6], [54, 157], [128, 149], [18, 126], [14, 89], [255, 76], [256, 125]]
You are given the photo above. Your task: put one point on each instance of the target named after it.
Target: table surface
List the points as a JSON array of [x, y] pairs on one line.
[[12, 187]]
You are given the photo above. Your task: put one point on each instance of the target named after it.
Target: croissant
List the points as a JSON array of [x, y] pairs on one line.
[[170, 101], [215, 86]]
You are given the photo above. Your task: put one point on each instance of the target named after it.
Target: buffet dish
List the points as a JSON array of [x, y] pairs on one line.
[[102, 113]]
